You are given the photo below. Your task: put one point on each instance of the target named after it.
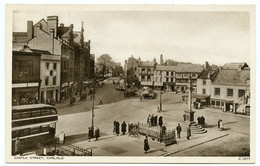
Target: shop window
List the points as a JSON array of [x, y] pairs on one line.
[[230, 92], [218, 103], [212, 102]]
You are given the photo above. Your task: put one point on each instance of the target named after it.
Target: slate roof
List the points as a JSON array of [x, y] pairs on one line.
[[189, 68], [146, 64], [235, 65], [232, 77], [212, 70], [41, 51], [62, 30]]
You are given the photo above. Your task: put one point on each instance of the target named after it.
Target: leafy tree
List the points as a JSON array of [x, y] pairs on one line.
[[104, 64]]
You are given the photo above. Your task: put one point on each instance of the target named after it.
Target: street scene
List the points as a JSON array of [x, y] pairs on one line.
[[131, 83]]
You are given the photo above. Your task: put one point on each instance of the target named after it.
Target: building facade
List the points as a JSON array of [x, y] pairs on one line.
[[164, 77], [146, 73], [25, 77], [230, 91]]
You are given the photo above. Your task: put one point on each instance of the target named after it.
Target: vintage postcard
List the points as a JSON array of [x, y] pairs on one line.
[[130, 84]]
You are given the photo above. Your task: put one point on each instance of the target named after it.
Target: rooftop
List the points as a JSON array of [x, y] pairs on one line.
[[232, 77], [209, 71]]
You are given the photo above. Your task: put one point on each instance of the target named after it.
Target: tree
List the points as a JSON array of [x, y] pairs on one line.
[[104, 64], [170, 62]]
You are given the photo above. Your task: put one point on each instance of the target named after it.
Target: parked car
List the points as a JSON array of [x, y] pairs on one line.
[[148, 93]]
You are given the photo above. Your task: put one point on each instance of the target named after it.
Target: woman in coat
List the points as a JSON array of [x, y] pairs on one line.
[[146, 145], [188, 132], [97, 135]]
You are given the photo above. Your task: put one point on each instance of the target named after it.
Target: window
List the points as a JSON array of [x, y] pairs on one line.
[[178, 74], [54, 66], [193, 75], [160, 79], [148, 78], [47, 65], [203, 91], [218, 103], [217, 91], [204, 82], [143, 78], [167, 79], [230, 92], [167, 73], [156, 79], [171, 79], [172, 73], [135, 68], [241, 92], [212, 102], [46, 80], [54, 80], [185, 74]]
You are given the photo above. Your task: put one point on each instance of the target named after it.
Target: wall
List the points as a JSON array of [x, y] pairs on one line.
[[51, 59], [43, 41], [200, 86], [223, 92], [17, 77]]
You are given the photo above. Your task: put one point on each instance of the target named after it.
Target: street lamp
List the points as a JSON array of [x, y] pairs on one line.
[[161, 94]]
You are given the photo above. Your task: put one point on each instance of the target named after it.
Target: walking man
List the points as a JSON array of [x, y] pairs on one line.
[[189, 132], [89, 133], [160, 121], [199, 120], [178, 128], [117, 128], [123, 127]]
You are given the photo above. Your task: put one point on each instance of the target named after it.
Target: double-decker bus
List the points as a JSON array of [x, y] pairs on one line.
[[33, 124]]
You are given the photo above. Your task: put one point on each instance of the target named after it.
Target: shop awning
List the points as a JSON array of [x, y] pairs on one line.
[[200, 96]]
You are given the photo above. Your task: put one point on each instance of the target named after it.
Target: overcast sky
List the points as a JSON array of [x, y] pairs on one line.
[[217, 37]]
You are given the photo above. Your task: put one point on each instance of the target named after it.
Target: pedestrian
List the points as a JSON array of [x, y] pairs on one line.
[[100, 101], [178, 128], [114, 127], [18, 146], [146, 145], [155, 120], [152, 120], [189, 132], [160, 121], [164, 130], [148, 119], [161, 135], [184, 117], [220, 125], [199, 105], [199, 120], [158, 108], [123, 127], [202, 121], [89, 133], [97, 133], [117, 128]]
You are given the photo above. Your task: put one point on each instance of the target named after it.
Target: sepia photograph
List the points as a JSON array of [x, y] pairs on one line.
[[130, 83]]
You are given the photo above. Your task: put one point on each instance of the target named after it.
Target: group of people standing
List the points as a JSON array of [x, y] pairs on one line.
[[116, 128], [152, 120], [201, 121], [92, 133]]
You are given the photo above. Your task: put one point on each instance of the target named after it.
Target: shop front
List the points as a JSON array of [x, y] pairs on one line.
[[25, 95]]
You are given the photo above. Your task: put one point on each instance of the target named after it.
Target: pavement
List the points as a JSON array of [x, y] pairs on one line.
[[75, 126]]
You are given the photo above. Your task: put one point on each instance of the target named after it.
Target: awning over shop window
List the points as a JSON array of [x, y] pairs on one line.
[[200, 96]]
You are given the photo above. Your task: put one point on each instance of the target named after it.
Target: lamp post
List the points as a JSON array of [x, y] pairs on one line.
[[161, 93]]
